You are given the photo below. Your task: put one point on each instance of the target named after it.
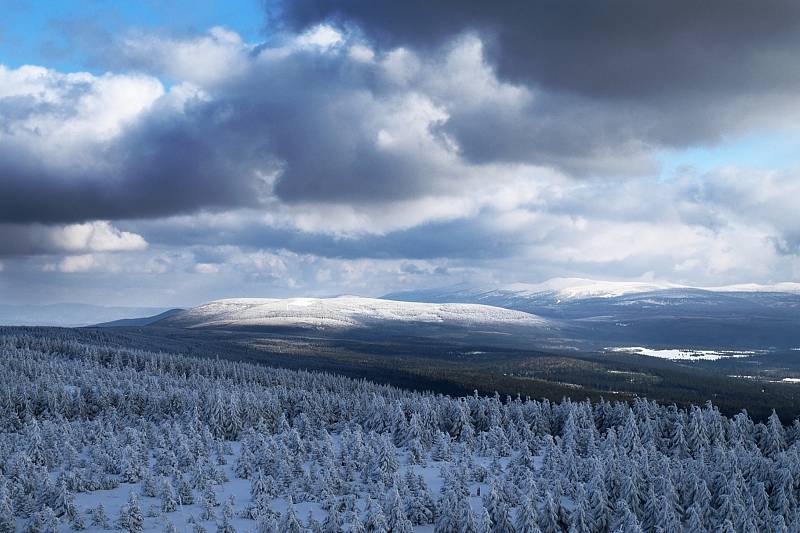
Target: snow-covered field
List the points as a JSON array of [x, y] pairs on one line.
[[344, 312], [686, 354]]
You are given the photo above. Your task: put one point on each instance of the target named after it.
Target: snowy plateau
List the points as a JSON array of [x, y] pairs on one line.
[[96, 436], [343, 312]]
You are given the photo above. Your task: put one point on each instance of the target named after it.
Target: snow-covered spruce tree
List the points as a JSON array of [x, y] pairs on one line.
[[396, 519], [548, 517], [447, 519], [527, 518], [131, 517], [43, 521], [100, 518], [289, 522], [169, 500]]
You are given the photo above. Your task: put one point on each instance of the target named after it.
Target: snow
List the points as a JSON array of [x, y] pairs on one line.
[[575, 288], [789, 287], [565, 289], [345, 312], [239, 489], [685, 354]]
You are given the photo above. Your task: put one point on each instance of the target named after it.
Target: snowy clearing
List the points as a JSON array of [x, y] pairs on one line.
[[686, 354]]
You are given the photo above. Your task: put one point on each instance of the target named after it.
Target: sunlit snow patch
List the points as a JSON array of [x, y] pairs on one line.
[[686, 354]]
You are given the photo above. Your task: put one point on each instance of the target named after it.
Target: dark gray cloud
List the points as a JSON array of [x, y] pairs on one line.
[[590, 89], [305, 126], [629, 49], [607, 75], [461, 239], [499, 138]]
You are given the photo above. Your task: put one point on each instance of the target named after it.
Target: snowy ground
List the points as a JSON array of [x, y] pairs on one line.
[[686, 354], [343, 312]]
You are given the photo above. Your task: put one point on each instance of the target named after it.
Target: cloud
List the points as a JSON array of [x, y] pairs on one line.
[[615, 49], [73, 263], [665, 74], [357, 151], [200, 59], [98, 236], [690, 228], [314, 120]]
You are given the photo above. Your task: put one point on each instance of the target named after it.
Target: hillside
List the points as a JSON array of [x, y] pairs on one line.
[[98, 437], [599, 314], [346, 312], [143, 321]]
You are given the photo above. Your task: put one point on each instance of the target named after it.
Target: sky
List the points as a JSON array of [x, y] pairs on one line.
[[168, 152]]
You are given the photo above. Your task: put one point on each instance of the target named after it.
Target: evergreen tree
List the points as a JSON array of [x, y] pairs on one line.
[[624, 520], [134, 519], [64, 503], [484, 522], [332, 522], [43, 521], [447, 521], [289, 522], [185, 493], [169, 502], [7, 522], [375, 521], [694, 524], [548, 518], [396, 520], [578, 521], [100, 518], [527, 518]]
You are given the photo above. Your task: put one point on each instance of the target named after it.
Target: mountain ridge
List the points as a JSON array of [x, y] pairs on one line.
[[343, 312]]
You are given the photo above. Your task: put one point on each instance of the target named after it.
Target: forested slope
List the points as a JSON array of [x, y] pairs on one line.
[[103, 437]]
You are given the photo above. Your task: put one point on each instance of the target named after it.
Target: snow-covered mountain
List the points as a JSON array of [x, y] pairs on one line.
[[564, 289], [343, 312], [577, 288], [785, 287], [734, 317]]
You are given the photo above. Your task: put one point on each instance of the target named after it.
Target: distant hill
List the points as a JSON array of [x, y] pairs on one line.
[[134, 322], [344, 312], [609, 313], [69, 314], [567, 296]]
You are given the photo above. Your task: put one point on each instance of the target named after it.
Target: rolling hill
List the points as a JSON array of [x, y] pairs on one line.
[[346, 312]]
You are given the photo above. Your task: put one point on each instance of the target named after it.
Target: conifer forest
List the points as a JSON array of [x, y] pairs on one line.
[[108, 438]]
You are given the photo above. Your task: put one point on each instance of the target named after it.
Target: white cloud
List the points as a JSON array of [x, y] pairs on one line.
[[63, 118], [203, 59], [74, 263], [206, 268], [96, 236], [322, 36]]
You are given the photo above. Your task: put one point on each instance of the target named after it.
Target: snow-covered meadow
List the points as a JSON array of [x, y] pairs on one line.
[[687, 354], [100, 437]]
